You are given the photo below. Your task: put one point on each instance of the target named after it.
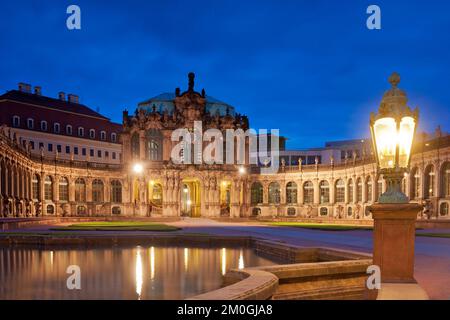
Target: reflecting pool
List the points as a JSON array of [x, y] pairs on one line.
[[138, 272]]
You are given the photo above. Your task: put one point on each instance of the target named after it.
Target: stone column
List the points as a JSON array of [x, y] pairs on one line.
[[316, 191], [332, 183], [300, 196]]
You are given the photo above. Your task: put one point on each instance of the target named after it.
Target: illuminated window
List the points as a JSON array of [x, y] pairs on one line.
[[324, 192], [63, 189], [308, 192], [291, 192], [340, 191], [116, 191], [256, 193], [80, 190], [97, 190], [274, 193], [48, 188]]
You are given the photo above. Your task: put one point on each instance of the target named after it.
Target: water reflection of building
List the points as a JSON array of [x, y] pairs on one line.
[[337, 181], [118, 273]]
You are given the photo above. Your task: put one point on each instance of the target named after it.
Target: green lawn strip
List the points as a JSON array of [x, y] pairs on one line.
[[434, 235], [320, 226], [117, 226]]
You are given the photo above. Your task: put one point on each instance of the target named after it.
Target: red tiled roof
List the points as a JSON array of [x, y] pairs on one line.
[[48, 102], [41, 108]]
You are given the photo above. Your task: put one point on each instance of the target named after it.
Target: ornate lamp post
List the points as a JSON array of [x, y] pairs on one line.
[[394, 217], [393, 130]]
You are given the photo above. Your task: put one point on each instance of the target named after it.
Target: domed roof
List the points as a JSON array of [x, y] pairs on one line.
[[165, 102]]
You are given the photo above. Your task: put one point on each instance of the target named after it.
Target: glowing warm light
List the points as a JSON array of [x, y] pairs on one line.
[[385, 138], [152, 263], [189, 202], [405, 138], [388, 138], [138, 273], [152, 182], [224, 183], [137, 168], [224, 261], [241, 264], [241, 170], [186, 258], [185, 190], [51, 258]]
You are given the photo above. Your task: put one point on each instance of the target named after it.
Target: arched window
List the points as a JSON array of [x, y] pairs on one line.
[[116, 191], [350, 190], [359, 190], [308, 192], [445, 180], [63, 189], [80, 190], [379, 187], [48, 188], [97, 190], [429, 191], [256, 193], [103, 135], [56, 127], [113, 137], [30, 123], [324, 191], [154, 144], [92, 133], [274, 193], [16, 121], [44, 125], [369, 189], [291, 192], [135, 145], [80, 131], [69, 130], [340, 191], [36, 186], [414, 184], [157, 195]]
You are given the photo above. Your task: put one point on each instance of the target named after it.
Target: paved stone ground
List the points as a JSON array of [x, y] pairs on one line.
[[432, 264]]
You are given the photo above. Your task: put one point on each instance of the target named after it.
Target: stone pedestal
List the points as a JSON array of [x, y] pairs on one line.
[[394, 235], [393, 251]]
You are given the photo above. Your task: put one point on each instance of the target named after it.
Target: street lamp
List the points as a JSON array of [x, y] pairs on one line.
[[393, 130], [138, 168], [394, 217]]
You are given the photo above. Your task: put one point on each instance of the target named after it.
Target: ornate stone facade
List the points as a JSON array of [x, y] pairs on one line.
[[33, 185]]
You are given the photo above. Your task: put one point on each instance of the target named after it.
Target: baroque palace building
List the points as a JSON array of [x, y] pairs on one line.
[[58, 157]]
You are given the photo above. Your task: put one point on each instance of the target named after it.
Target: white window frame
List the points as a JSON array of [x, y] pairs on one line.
[[113, 137], [71, 129], [80, 131], [56, 124], [92, 133], [16, 118], [103, 135], [44, 124], [32, 123]]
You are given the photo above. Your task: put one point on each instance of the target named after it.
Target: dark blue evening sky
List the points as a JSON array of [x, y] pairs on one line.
[[310, 68]]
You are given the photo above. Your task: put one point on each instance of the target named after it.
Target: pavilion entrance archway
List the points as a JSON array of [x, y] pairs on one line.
[[190, 197]]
